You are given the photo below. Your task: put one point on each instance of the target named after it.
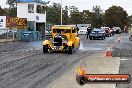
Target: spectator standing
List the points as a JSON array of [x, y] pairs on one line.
[[88, 32]]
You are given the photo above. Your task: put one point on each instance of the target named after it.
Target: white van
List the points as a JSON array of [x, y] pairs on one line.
[[83, 30]]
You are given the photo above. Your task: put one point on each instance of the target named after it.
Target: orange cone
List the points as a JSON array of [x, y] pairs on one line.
[[108, 52]]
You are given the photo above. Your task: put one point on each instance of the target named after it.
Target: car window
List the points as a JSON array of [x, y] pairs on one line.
[[74, 30], [61, 31], [67, 31], [83, 28]]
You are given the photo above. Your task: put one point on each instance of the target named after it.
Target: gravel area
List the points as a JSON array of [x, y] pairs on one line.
[[124, 49], [121, 52]]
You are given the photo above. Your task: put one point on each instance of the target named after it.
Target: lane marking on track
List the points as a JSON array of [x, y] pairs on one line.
[[124, 59], [89, 48]]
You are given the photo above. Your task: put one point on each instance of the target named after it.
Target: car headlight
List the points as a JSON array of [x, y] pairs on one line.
[[65, 40], [51, 39]]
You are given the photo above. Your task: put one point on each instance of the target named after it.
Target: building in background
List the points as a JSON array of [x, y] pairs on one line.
[[2, 22], [35, 12]]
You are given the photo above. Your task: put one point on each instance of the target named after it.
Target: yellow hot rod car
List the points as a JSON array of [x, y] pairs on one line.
[[64, 38]]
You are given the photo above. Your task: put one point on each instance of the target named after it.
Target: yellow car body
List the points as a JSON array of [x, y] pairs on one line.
[[64, 38]]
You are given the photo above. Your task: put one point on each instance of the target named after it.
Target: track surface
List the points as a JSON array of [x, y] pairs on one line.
[[23, 65]]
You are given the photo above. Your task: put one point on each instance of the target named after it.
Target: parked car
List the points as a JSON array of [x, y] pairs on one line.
[[64, 38], [3, 32], [117, 30], [82, 30], [108, 31], [9, 32], [97, 33], [48, 32], [130, 38]]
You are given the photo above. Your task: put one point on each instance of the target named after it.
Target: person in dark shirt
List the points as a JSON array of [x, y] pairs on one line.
[[77, 29], [88, 32]]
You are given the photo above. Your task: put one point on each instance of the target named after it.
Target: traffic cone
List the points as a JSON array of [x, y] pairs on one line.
[[108, 52]]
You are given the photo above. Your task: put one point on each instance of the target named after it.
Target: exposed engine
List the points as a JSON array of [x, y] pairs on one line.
[[60, 40], [57, 41]]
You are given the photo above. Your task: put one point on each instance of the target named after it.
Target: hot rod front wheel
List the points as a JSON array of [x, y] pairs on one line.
[[130, 38], [45, 49], [70, 50]]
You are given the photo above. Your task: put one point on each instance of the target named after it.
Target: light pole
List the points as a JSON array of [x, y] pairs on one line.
[[61, 12]]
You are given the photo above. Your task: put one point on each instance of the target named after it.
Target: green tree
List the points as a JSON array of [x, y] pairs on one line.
[[129, 20], [12, 12], [2, 12], [116, 16], [86, 17], [6, 11], [65, 16], [12, 8], [76, 18], [73, 9], [97, 16], [54, 14], [75, 15], [11, 3]]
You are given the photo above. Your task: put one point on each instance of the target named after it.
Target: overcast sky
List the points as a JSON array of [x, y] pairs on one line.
[[88, 4]]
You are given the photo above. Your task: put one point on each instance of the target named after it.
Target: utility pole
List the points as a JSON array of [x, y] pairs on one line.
[[61, 12]]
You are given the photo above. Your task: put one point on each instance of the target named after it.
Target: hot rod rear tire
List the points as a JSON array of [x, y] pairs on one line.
[[70, 50], [45, 49], [130, 38]]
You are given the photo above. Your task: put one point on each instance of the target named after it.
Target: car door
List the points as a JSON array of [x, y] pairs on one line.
[[74, 36]]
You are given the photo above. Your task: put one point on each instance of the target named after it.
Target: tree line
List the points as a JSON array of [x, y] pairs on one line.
[[113, 16]]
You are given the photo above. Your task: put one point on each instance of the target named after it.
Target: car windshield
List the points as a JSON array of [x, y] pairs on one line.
[[61, 31], [99, 29], [83, 29]]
